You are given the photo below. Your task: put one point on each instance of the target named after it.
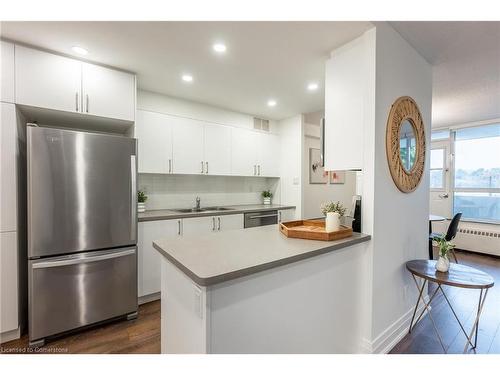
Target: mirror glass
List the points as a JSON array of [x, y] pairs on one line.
[[407, 145]]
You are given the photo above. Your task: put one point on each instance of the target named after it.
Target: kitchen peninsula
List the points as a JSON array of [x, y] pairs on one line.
[[251, 291]]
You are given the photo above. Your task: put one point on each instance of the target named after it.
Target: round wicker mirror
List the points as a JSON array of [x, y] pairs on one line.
[[405, 144]]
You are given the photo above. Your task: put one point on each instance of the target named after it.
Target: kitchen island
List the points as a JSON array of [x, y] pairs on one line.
[[257, 291]]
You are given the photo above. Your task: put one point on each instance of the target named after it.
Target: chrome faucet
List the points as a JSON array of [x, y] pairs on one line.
[[198, 201]]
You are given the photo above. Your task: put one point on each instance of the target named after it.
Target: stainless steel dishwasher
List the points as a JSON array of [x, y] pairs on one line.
[[260, 218]]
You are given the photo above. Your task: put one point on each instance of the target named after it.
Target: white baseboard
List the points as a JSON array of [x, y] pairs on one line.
[[393, 334], [10, 335], [149, 298]]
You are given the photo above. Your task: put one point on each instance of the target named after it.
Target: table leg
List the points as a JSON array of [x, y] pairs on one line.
[[426, 308], [420, 291], [475, 326], [456, 316]]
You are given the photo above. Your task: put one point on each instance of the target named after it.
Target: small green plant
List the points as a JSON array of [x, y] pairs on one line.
[[267, 194], [444, 246], [333, 207], [141, 197]]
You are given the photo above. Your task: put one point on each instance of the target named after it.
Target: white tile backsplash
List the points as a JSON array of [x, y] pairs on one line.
[[180, 191]]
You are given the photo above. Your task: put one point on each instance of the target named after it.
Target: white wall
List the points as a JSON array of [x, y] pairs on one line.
[[315, 194], [180, 191], [400, 221], [154, 102], [291, 134]]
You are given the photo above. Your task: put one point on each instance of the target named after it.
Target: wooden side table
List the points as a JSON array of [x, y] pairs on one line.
[[459, 276]]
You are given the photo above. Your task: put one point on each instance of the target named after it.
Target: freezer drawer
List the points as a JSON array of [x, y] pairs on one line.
[[76, 290]]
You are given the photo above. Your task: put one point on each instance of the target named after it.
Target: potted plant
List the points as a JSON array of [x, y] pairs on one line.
[[141, 201], [443, 263], [333, 212], [267, 195]]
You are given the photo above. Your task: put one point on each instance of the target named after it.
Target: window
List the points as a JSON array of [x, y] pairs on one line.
[[440, 135], [437, 168], [476, 182]]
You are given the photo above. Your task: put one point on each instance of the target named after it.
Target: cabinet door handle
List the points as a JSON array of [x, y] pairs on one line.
[[207, 167], [213, 223], [258, 168], [87, 100], [169, 165], [218, 220], [76, 101], [179, 227], [202, 168]]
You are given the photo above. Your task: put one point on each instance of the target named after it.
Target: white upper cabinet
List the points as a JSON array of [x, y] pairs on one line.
[[154, 134], [108, 93], [347, 78], [171, 144], [7, 72], [217, 150], [47, 81], [50, 81], [188, 143], [8, 170], [268, 156], [254, 153], [244, 149]]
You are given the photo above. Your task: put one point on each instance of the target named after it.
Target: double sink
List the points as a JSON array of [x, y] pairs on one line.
[[205, 209]]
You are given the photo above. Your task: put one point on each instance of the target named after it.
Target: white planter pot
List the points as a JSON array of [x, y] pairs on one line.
[[443, 264], [332, 222], [267, 200], [141, 207]]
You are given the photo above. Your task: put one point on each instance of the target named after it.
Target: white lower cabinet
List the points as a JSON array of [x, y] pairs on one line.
[[230, 222], [198, 225], [149, 275], [9, 287], [207, 224], [149, 278]]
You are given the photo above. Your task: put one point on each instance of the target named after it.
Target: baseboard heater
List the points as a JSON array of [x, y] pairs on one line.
[[478, 240]]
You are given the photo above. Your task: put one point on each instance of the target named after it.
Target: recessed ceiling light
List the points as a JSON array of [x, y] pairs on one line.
[[271, 103], [219, 47], [79, 50], [187, 78], [312, 86]]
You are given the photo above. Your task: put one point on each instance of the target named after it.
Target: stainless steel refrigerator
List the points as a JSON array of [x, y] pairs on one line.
[[82, 230]]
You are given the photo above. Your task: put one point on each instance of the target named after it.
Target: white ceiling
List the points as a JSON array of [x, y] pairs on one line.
[[277, 60], [264, 60], [466, 68]]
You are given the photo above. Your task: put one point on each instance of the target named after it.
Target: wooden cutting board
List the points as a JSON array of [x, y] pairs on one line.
[[313, 230]]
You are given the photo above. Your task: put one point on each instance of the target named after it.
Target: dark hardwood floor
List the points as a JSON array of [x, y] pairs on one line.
[[143, 334], [423, 339]]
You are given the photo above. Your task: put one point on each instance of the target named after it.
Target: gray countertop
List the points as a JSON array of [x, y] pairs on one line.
[[237, 209], [213, 258]]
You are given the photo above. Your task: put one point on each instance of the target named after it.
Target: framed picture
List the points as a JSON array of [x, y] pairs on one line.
[[337, 177], [317, 174]]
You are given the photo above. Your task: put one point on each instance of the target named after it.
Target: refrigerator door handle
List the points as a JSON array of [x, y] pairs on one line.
[[81, 260], [133, 197]]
